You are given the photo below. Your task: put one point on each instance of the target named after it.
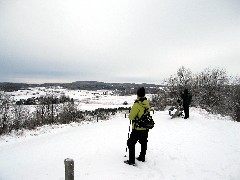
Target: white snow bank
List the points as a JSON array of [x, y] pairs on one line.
[[198, 148]]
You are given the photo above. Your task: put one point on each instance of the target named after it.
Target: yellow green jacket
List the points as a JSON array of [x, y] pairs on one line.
[[137, 111]]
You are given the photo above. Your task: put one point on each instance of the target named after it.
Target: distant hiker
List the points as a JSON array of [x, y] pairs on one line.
[[138, 134], [187, 98]]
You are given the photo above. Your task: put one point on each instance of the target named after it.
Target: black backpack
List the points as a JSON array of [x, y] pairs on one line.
[[146, 121]]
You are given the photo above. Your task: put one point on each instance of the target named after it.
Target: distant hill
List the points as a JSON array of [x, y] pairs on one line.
[[8, 86], [81, 85]]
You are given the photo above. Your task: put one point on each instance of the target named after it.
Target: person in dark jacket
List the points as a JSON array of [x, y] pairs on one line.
[[138, 134], [187, 98]]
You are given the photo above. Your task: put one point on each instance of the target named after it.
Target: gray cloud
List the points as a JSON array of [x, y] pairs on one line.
[[117, 41]]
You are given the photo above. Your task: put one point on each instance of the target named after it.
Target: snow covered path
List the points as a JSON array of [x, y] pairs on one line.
[[200, 148]]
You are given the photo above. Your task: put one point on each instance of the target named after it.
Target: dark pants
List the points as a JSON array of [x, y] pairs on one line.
[[141, 137], [186, 111]]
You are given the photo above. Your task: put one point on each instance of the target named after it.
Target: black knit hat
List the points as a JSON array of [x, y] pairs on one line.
[[141, 92]]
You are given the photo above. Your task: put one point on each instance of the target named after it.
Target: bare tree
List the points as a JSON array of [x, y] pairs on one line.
[[211, 87], [5, 107], [178, 82]]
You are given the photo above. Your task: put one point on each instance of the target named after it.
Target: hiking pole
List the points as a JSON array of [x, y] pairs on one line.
[[129, 129]]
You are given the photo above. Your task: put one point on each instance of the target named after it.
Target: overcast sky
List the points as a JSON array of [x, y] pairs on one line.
[[116, 40]]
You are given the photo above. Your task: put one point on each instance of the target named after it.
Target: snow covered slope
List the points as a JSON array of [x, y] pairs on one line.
[[203, 147]]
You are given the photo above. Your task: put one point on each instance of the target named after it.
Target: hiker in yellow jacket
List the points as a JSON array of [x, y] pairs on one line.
[[139, 134]]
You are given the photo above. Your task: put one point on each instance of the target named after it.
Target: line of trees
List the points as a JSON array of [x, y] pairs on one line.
[[15, 116], [44, 100], [212, 89]]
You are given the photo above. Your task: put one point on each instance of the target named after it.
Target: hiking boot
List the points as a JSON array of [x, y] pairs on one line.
[[140, 159], [129, 163]]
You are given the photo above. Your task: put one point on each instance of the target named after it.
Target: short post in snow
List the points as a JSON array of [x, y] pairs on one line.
[[126, 113], [97, 118], [69, 169]]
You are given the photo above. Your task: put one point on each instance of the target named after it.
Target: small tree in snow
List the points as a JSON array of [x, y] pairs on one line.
[[178, 82]]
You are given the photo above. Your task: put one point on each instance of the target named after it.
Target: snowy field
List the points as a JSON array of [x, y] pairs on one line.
[[204, 147], [84, 99]]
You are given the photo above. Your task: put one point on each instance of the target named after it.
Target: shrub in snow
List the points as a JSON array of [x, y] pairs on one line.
[[211, 91]]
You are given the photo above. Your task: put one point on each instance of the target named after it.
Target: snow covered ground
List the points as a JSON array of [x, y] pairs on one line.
[[204, 147]]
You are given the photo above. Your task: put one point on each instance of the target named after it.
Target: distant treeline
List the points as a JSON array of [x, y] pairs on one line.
[[44, 100], [124, 88]]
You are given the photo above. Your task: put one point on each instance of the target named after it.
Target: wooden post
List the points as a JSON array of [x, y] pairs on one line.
[[97, 118], [126, 113], [69, 169]]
